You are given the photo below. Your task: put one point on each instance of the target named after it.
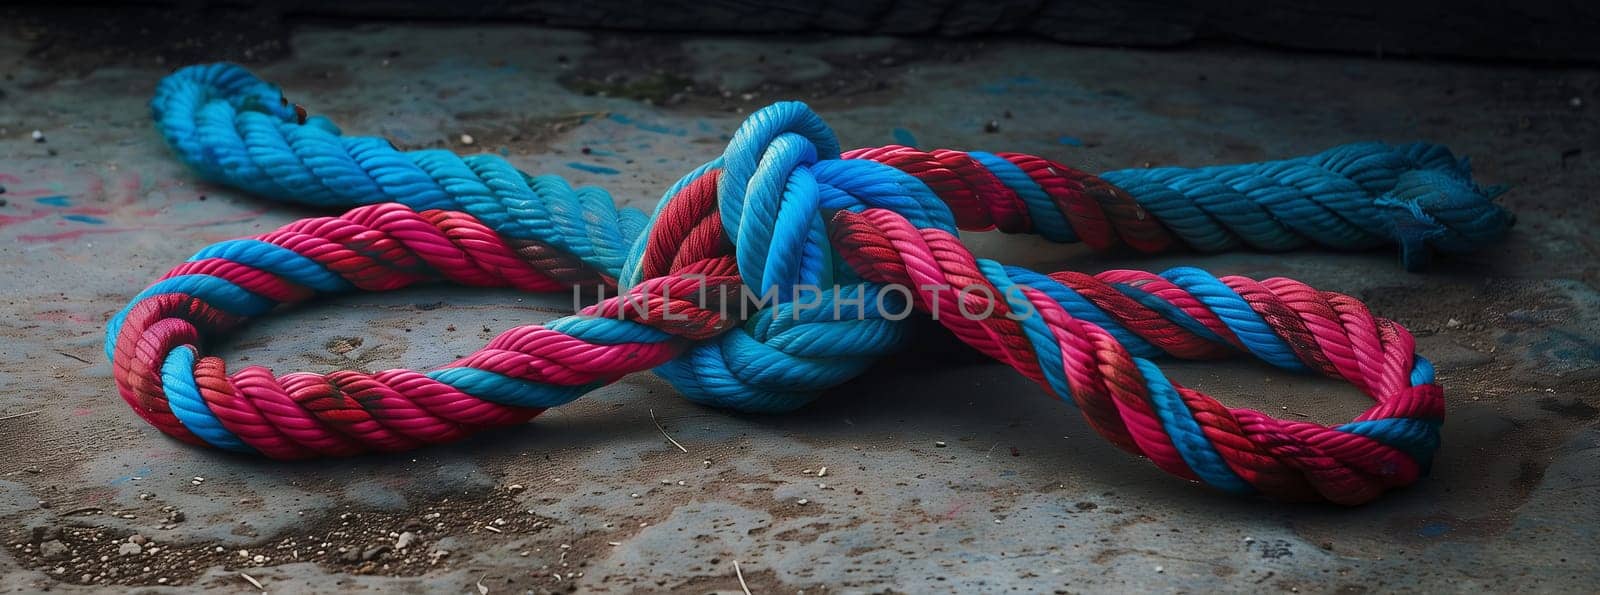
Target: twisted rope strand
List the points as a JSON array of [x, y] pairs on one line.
[[782, 209], [236, 129], [527, 369], [1128, 400], [154, 342]]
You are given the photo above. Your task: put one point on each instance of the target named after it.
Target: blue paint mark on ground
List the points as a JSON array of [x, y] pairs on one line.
[[656, 128], [1561, 351], [904, 137], [54, 201], [1070, 141], [84, 219], [142, 473], [593, 169], [1011, 84], [1434, 529]]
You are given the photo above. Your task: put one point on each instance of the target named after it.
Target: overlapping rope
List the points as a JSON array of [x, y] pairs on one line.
[[873, 230]]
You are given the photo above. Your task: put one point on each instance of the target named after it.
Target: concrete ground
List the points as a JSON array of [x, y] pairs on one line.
[[592, 497]]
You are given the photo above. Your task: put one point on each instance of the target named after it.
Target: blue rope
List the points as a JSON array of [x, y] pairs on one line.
[[236, 129], [1350, 197]]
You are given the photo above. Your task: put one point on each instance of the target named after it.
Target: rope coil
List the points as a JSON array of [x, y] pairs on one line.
[[782, 209]]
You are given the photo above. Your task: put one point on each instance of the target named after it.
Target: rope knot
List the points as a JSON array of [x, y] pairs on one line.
[[769, 198], [809, 323]]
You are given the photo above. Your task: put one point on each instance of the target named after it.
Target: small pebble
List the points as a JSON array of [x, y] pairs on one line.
[[1160, 569], [992, 126], [38, 136], [54, 550], [129, 549], [802, 502], [1574, 102], [466, 139], [939, 444]]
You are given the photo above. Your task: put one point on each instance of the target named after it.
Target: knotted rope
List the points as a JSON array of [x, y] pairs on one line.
[[783, 209]]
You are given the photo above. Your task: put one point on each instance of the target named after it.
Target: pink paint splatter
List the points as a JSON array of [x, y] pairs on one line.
[[956, 508]]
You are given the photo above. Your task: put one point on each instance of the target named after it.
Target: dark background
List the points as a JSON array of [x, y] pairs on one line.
[[1543, 30]]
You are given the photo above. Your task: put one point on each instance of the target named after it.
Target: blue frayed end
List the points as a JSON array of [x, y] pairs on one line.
[[1413, 228]]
